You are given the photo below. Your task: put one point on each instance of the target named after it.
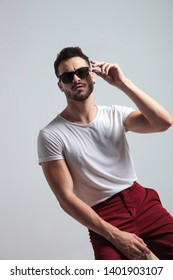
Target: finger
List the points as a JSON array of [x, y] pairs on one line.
[[105, 68], [140, 244], [97, 72], [140, 240], [139, 254], [143, 248], [96, 63], [136, 254]]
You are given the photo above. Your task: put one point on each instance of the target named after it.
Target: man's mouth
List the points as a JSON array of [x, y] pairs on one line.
[[78, 86]]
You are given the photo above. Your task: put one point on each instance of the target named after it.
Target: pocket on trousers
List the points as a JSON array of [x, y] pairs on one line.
[[154, 194]]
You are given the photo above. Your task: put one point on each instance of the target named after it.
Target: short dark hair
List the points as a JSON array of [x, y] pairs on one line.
[[67, 53]]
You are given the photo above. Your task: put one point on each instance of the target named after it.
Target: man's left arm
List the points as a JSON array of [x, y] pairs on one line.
[[150, 116]]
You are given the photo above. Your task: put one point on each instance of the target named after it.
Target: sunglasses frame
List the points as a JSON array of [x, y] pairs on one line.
[[70, 75]]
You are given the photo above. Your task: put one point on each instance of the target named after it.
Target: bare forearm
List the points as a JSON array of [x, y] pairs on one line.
[[84, 214], [155, 113]]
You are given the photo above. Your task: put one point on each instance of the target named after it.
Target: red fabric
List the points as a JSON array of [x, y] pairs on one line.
[[137, 210]]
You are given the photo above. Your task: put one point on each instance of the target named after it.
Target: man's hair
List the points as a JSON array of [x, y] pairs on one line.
[[67, 53]]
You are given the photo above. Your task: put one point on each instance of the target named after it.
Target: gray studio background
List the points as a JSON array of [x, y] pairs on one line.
[[138, 35]]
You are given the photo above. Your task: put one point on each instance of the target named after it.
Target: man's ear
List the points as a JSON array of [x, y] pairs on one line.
[[60, 85]]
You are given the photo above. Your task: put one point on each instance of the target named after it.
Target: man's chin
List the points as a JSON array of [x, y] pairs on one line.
[[79, 97]]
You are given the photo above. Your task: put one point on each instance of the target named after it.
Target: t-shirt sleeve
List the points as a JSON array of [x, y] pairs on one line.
[[49, 147], [124, 111]]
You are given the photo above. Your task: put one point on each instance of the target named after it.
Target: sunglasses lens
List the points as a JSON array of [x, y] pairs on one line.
[[82, 73], [67, 77]]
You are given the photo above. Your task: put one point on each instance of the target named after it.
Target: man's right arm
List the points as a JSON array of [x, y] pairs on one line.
[[60, 181]]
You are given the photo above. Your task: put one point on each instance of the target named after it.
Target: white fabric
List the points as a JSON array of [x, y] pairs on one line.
[[97, 154]]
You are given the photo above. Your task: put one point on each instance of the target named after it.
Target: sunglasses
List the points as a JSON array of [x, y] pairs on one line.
[[67, 77]]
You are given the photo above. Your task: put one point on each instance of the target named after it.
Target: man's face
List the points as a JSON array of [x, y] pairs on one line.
[[79, 89]]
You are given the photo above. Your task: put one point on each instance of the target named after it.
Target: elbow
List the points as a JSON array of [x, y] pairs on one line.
[[64, 207], [166, 124], [65, 203]]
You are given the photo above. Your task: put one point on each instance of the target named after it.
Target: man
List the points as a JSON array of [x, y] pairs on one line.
[[87, 163]]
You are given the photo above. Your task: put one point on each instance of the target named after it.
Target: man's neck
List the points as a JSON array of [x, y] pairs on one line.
[[80, 111]]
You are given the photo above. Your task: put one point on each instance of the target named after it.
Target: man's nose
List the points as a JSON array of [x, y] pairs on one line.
[[76, 78]]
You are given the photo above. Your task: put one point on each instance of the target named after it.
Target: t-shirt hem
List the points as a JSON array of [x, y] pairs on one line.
[[41, 160]]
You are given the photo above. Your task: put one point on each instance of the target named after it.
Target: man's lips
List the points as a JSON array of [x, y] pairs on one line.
[[78, 86]]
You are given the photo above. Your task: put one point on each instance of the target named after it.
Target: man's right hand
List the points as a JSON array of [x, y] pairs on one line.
[[130, 245]]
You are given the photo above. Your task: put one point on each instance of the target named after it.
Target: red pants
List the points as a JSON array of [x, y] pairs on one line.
[[137, 210]]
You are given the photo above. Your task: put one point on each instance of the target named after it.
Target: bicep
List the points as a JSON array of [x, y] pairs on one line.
[[136, 122], [58, 177]]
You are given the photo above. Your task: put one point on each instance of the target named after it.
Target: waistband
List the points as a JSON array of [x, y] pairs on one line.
[[103, 203]]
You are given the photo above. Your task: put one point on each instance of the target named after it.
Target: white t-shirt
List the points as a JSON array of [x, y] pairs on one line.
[[97, 154]]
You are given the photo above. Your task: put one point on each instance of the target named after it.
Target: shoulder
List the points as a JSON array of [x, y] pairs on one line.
[[53, 124], [116, 111], [53, 128], [51, 135]]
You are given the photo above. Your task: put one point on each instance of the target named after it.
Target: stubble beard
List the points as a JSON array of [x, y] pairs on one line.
[[77, 96]]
